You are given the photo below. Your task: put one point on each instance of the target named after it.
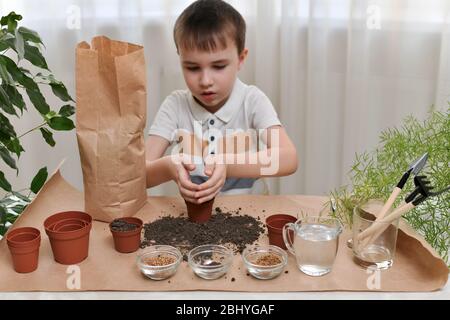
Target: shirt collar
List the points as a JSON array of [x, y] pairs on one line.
[[226, 112]]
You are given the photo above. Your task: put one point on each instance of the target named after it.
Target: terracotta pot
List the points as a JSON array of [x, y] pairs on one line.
[[75, 224], [275, 225], [199, 212], [24, 243], [50, 222], [127, 241], [70, 245]]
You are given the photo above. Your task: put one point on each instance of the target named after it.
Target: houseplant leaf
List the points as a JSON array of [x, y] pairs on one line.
[[33, 55], [4, 184], [4, 154], [60, 91], [61, 123], [48, 136], [39, 180], [30, 35], [66, 110]]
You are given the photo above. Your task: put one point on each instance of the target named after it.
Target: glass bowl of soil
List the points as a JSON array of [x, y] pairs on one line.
[[265, 262], [159, 262], [210, 261]]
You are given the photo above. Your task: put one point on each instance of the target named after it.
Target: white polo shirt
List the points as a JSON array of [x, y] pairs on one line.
[[247, 108]]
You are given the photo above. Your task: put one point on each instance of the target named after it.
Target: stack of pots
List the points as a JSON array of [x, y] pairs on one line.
[[68, 233], [24, 243]]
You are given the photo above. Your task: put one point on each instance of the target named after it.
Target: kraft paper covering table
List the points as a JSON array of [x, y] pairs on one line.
[[417, 267]]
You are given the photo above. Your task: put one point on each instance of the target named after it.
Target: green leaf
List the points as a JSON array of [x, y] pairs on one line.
[[20, 44], [66, 110], [48, 136], [14, 145], [39, 180], [33, 55], [60, 91], [6, 127], [30, 35], [5, 104], [7, 42], [4, 184], [31, 87], [11, 21], [5, 76], [15, 97], [61, 123], [21, 196], [38, 101], [12, 68], [4, 154]]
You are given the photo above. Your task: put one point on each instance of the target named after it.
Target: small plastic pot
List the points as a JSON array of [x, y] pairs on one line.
[[50, 222], [127, 241], [275, 225], [199, 212], [61, 226], [23, 244], [70, 245]]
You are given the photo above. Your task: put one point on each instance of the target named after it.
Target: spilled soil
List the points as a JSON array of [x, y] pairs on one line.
[[231, 229]]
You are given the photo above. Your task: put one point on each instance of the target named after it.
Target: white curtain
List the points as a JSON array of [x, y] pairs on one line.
[[337, 71]]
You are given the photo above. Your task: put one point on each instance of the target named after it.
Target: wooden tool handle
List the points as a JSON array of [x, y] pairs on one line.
[[381, 225], [389, 203], [386, 207]]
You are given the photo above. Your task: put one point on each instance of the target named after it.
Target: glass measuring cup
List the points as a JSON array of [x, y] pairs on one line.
[[315, 243]]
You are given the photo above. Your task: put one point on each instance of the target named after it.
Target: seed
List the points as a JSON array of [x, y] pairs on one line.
[[159, 260], [268, 260]]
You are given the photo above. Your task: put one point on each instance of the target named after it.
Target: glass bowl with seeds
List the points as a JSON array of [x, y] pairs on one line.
[[159, 262], [210, 261], [264, 262]]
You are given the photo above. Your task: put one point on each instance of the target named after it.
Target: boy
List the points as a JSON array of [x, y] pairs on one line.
[[210, 41]]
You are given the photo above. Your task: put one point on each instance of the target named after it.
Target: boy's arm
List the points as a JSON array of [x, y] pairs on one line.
[[158, 168], [280, 158]]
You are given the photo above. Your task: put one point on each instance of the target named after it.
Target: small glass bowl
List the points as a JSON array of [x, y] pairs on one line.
[[159, 272], [260, 270], [210, 261]]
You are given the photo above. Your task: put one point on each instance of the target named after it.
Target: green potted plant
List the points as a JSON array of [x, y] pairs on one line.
[[374, 174], [23, 71]]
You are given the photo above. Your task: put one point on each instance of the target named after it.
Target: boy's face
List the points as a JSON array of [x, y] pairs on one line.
[[210, 75]]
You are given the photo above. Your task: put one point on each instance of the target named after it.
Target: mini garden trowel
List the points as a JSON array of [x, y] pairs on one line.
[[414, 169]]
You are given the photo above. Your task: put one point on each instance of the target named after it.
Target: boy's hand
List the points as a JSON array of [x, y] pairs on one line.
[[187, 188], [217, 173]]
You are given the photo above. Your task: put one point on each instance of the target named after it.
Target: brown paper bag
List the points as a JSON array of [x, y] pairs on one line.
[[111, 117]]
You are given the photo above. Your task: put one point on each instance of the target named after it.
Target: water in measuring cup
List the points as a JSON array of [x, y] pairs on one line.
[[315, 248]]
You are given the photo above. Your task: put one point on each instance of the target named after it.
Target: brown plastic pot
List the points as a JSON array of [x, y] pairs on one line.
[[24, 243], [127, 241], [71, 245], [275, 225], [51, 221], [199, 212], [75, 224]]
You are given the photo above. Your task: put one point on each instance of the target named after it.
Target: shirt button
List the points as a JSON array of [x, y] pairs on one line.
[[211, 122], [212, 138]]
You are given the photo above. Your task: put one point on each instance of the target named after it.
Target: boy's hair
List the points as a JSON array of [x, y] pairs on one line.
[[207, 23]]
